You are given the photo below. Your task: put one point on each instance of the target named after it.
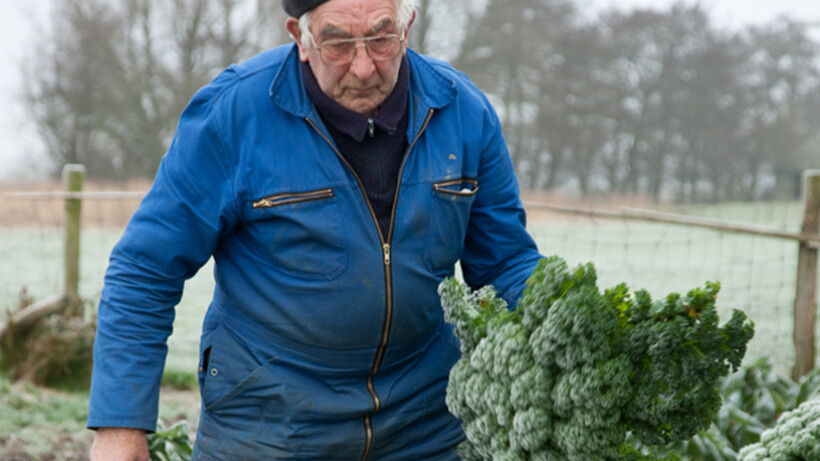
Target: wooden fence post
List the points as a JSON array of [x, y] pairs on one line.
[[805, 301], [73, 177]]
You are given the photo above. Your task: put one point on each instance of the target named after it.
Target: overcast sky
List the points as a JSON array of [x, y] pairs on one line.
[[731, 13], [18, 150], [21, 156]]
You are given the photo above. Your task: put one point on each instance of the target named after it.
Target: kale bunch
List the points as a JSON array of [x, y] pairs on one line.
[[796, 436], [572, 371]]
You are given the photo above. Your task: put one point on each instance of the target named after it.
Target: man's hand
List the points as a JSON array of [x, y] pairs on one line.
[[119, 444]]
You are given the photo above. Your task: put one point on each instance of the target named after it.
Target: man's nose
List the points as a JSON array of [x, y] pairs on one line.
[[362, 65]]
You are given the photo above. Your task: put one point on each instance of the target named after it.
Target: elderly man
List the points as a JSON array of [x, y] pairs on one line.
[[335, 182]]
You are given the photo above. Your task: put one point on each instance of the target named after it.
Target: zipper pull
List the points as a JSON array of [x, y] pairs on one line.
[[371, 129], [261, 203], [386, 249]]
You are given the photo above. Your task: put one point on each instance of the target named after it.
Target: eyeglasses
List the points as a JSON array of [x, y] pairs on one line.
[[339, 51]]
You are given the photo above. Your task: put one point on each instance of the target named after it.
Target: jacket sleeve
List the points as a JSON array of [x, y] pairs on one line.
[[171, 235], [498, 250]]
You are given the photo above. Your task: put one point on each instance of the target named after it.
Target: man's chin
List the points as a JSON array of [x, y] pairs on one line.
[[362, 102], [362, 107]]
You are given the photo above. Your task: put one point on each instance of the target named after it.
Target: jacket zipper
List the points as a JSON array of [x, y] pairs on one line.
[[388, 273], [289, 198]]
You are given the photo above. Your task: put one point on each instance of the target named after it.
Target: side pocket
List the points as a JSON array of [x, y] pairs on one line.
[[226, 362], [203, 367]]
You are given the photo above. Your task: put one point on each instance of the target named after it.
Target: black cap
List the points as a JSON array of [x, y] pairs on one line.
[[297, 8]]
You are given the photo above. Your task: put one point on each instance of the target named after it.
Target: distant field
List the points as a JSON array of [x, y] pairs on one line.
[[757, 274]]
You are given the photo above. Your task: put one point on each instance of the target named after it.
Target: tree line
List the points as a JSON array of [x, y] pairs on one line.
[[107, 82], [661, 103]]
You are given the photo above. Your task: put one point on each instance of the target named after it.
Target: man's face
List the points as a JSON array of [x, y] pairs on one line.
[[362, 84]]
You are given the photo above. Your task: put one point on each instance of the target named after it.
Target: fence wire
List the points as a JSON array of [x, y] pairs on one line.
[[757, 274]]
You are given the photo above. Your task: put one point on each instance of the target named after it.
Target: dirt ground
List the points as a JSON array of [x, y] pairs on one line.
[[66, 447]]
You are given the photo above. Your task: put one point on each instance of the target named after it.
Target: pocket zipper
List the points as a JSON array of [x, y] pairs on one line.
[[289, 198], [442, 187]]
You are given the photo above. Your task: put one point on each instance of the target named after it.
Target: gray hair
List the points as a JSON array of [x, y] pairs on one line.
[[405, 14]]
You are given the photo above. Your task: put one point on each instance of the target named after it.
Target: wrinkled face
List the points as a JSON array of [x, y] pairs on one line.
[[362, 84]]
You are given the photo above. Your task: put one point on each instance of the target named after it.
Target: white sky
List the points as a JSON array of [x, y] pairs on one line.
[[730, 13], [21, 155]]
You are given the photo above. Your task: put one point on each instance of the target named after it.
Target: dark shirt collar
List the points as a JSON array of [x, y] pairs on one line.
[[387, 116]]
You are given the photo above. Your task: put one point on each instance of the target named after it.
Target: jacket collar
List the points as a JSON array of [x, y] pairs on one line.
[[429, 88]]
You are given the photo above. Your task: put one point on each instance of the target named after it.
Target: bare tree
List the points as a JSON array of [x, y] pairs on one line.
[[781, 96], [440, 25], [64, 83], [653, 102], [107, 85], [512, 52]]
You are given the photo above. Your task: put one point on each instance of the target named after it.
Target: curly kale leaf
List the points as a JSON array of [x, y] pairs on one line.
[[678, 351], [796, 436], [572, 370]]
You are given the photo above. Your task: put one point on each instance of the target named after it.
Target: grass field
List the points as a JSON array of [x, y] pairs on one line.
[[49, 425], [757, 276], [756, 273]]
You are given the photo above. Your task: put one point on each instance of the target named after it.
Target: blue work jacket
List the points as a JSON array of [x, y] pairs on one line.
[[325, 339]]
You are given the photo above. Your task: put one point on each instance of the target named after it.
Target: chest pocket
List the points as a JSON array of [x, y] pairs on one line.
[[301, 232], [449, 216]]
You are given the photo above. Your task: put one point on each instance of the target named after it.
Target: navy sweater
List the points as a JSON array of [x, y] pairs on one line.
[[374, 145]]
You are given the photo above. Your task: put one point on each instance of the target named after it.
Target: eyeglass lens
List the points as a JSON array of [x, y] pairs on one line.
[[379, 47]]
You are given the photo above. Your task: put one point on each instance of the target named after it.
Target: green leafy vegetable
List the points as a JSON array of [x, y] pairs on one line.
[[796, 436], [170, 443], [573, 370]]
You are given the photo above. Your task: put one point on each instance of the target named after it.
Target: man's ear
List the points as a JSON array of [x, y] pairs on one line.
[[292, 25], [407, 31]]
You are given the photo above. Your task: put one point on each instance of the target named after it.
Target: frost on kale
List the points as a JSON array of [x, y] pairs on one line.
[[796, 436], [572, 370]]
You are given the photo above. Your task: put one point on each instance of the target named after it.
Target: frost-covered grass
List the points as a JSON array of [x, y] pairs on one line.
[[47, 424], [757, 273], [35, 421]]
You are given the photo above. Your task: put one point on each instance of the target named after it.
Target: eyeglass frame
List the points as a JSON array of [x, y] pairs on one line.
[[355, 41]]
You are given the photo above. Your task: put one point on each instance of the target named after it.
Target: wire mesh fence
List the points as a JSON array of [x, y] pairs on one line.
[[757, 273]]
